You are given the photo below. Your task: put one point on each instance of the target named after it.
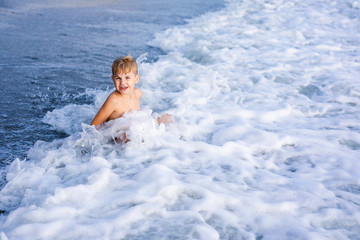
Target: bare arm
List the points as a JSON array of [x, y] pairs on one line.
[[105, 111]]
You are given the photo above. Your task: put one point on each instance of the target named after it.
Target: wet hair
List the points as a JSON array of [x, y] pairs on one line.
[[124, 65]]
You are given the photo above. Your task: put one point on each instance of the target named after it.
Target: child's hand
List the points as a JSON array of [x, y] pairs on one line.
[[166, 118], [122, 138]]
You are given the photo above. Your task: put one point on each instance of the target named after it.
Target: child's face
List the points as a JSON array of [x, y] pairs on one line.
[[125, 82]]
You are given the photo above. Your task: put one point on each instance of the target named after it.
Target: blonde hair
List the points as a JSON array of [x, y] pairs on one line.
[[124, 65]]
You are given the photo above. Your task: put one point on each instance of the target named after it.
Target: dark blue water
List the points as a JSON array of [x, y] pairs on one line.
[[50, 55]]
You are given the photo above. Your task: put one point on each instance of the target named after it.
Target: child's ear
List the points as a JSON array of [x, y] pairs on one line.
[[137, 78]]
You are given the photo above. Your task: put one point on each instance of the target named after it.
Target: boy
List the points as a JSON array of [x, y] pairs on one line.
[[126, 97]]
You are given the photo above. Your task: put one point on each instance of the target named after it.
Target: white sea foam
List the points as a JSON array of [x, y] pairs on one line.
[[265, 95]]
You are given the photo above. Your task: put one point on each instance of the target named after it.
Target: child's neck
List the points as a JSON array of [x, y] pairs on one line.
[[129, 96]]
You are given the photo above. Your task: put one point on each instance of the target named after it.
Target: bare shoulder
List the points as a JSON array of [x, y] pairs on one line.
[[112, 101], [106, 110], [113, 97], [138, 92]]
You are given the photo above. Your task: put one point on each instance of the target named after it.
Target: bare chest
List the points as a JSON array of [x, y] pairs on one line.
[[124, 106]]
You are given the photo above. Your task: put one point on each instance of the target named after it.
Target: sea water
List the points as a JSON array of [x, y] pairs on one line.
[[265, 145]]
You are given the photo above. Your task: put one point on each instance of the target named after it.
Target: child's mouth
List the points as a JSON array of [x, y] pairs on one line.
[[123, 88]]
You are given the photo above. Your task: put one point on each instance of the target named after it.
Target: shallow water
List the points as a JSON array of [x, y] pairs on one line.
[[266, 99]]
